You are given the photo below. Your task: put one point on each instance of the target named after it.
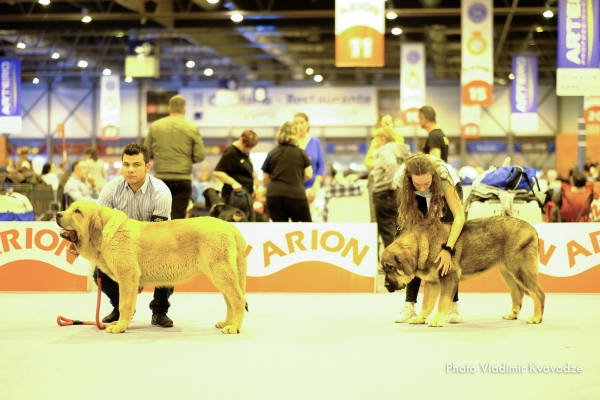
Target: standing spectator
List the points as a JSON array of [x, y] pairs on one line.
[[80, 185], [175, 144], [236, 171], [387, 159], [312, 146], [23, 161], [285, 169], [436, 143], [96, 167], [144, 198]]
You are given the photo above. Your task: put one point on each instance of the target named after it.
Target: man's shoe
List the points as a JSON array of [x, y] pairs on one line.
[[112, 317], [453, 316], [407, 313], [161, 319]]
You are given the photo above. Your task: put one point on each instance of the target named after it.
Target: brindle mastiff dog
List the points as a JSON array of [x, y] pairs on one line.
[[508, 243]]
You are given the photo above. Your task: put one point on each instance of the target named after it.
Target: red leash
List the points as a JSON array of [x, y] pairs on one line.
[[62, 321]]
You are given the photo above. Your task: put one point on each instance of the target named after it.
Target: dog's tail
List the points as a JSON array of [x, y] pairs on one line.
[[241, 261]]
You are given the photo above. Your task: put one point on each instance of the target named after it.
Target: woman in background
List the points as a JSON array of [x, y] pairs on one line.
[[96, 167], [49, 176], [312, 146], [285, 169]]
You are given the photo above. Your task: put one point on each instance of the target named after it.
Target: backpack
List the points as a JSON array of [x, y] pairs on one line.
[[512, 178]]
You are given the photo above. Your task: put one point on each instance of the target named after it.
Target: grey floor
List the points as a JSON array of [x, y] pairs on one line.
[[295, 346]]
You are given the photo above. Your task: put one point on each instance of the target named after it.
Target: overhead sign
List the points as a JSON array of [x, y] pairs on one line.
[[578, 72], [359, 33], [524, 91], [412, 81], [110, 107], [10, 96], [591, 107], [477, 75], [355, 106], [143, 59]]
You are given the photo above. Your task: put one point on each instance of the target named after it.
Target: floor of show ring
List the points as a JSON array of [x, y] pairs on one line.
[[299, 346]]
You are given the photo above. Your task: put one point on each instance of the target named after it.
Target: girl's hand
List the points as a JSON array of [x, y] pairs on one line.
[[445, 262]]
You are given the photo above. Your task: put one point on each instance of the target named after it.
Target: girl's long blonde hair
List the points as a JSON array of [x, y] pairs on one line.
[[408, 211]]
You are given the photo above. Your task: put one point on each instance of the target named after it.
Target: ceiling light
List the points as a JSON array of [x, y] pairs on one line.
[[310, 71], [318, 78], [44, 2], [82, 64], [86, 19], [21, 45], [548, 14], [212, 1], [511, 76], [128, 79], [396, 31], [36, 81], [55, 55], [190, 64], [106, 71], [391, 15], [119, 34], [237, 17], [208, 72], [539, 29]]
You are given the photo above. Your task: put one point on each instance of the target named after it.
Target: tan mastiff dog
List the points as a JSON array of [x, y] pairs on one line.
[[137, 254], [508, 243]]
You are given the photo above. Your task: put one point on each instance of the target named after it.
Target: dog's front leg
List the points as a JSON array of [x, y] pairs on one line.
[[128, 291], [430, 295], [448, 285]]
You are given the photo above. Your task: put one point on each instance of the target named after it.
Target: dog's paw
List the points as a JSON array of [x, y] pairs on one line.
[[115, 327], [534, 320], [416, 320], [222, 324], [438, 321], [511, 315], [229, 329]]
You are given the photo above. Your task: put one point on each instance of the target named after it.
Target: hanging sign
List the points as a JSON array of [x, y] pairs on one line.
[[578, 72], [470, 120], [523, 98], [591, 107], [10, 96], [477, 75], [412, 81], [359, 33], [110, 107]]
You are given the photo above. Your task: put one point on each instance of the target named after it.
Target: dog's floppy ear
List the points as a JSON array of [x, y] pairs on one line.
[[96, 227], [391, 256]]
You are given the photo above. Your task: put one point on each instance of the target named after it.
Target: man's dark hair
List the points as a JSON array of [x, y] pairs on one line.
[[46, 168], [133, 149], [428, 113], [75, 164], [579, 179]]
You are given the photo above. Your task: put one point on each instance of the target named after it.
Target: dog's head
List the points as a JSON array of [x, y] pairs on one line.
[[82, 224], [219, 209], [401, 259]]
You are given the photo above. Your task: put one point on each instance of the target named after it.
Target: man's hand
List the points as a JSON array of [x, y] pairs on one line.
[[311, 194], [236, 186], [91, 181], [445, 262]]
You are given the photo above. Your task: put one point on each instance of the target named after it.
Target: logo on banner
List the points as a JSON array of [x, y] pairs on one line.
[[359, 33], [477, 13]]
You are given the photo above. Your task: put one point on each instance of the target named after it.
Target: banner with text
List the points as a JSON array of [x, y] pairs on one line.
[[470, 120], [110, 107], [477, 72], [578, 53], [10, 92], [354, 106], [359, 33], [412, 81], [591, 107], [524, 91]]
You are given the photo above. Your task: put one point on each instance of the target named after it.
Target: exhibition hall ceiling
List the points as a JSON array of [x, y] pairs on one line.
[[276, 41]]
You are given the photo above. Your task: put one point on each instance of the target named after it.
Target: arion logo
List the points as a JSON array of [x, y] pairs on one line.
[[477, 13], [43, 239]]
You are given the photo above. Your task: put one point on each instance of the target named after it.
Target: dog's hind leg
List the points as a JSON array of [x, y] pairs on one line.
[[229, 318], [228, 284], [430, 295], [516, 293], [539, 298]]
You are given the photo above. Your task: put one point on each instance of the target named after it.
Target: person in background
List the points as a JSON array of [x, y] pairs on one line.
[[236, 171], [285, 169], [23, 161], [429, 192], [49, 176], [388, 157], [175, 144], [577, 204], [144, 198], [80, 185], [96, 167], [436, 143], [312, 146]]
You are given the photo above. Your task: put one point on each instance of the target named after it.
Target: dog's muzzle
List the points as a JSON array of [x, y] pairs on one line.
[[71, 236], [392, 286]]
